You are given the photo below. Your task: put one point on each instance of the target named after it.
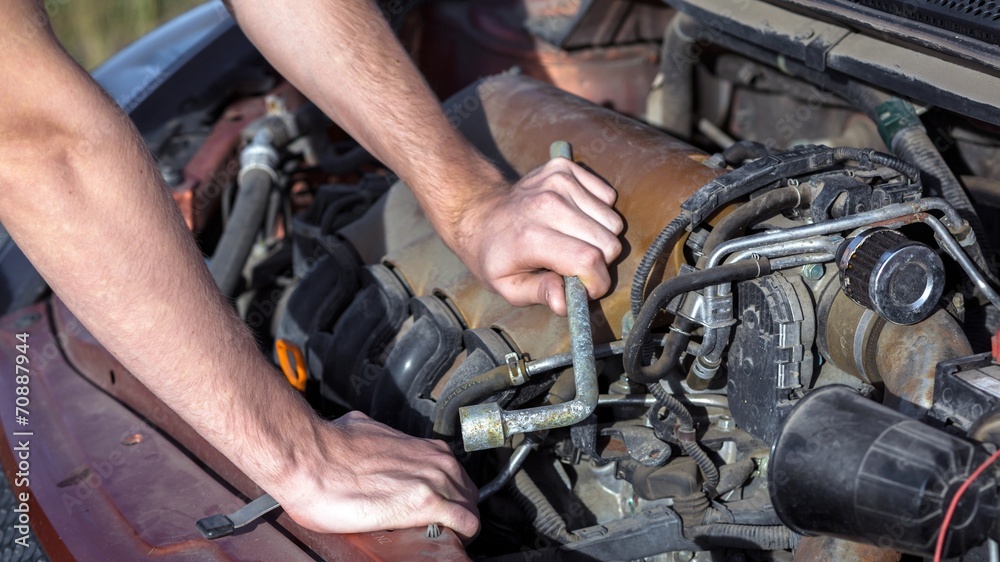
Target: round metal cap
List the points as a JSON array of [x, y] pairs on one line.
[[898, 278]]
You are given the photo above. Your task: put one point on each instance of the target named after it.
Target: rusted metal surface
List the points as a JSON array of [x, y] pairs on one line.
[[87, 356], [902, 358], [482, 38], [815, 549], [95, 493], [907, 359], [516, 119]]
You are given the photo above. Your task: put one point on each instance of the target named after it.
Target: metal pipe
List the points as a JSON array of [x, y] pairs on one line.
[[648, 400], [511, 468], [948, 243], [546, 364], [487, 426], [907, 359], [842, 224]]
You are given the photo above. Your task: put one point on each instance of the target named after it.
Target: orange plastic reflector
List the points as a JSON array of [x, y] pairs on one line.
[[293, 364]]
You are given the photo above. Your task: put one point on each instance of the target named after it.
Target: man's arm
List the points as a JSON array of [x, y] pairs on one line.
[[518, 239], [80, 195]]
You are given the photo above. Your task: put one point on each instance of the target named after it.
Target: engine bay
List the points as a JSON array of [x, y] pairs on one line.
[[793, 361]]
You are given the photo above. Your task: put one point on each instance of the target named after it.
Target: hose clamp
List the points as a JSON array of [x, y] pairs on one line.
[[258, 156], [516, 369]]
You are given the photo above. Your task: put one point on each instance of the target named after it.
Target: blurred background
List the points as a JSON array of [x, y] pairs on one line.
[[93, 30]]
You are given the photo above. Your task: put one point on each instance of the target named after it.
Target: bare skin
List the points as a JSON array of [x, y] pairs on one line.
[[81, 196]]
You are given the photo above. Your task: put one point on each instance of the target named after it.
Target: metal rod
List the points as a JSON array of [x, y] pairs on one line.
[[836, 225], [947, 241], [648, 400], [559, 360]]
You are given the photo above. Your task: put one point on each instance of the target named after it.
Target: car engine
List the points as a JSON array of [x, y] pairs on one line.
[[794, 358]]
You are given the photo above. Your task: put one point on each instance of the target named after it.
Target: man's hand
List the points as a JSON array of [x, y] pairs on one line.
[[372, 477], [557, 221]]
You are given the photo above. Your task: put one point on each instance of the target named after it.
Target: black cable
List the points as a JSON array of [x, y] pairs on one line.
[[667, 236], [685, 433], [663, 294]]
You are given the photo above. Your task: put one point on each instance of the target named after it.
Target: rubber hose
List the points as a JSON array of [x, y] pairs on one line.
[[666, 236], [472, 391], [728, 535], [845, 153], [544, 518], [912, 143], [685, 423], [751, 212], [676, 80], [663, 294], [241, 230]]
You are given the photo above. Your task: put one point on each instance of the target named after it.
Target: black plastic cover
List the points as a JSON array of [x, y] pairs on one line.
[[848, 467]]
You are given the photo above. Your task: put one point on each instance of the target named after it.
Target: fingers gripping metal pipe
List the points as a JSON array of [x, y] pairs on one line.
[[487, 426]]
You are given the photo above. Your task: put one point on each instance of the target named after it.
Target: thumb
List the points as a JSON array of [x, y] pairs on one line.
[[542, 287]]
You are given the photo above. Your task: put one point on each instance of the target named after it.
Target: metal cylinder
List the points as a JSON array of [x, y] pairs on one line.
[[901, 358]]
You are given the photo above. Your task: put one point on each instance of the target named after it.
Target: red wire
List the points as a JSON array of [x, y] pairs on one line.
[[946, 522]]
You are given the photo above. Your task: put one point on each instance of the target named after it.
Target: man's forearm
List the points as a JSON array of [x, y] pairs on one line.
[[343, 56], [82, 197]]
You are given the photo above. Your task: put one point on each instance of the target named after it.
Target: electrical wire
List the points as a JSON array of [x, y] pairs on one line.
[[946, 522]]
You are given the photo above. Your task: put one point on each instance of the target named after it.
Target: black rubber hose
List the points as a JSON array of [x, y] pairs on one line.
[[685, 433], [845, 153], [472, 391], [729, 535], [911, 142], [241, 230], [544, 518], [739, 152], [663, 294], [751, 212], [667, 236]]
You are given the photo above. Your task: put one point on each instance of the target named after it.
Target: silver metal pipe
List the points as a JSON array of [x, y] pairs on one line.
[[546, 364], [487, 426], [648, 400], [947, 241], [511, 468], [851, 222]]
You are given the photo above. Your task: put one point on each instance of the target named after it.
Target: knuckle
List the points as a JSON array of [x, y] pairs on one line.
[[591, 257], [549, 200]]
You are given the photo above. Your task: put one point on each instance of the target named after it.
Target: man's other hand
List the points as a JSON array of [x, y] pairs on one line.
[[556, 221], [371, 477]]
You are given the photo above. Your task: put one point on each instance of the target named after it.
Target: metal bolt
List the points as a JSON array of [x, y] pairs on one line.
[[684, 555], [813, 271], [726, 423]]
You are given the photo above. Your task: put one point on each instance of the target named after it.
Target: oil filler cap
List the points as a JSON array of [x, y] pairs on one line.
[[898, 278]]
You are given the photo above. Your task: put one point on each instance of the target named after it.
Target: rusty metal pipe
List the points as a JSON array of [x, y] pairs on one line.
[[907, 358], [487, 426]]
